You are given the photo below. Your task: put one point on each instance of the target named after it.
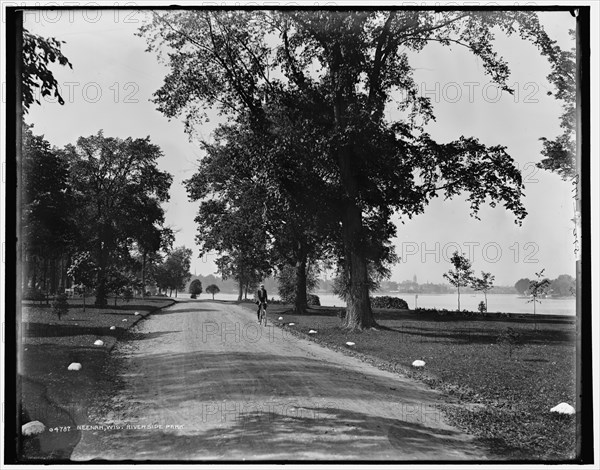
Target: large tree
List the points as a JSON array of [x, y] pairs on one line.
[[347, 65], [118, 189], [49, 228]]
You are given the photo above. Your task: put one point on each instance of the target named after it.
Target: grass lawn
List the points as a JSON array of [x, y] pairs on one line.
[[499, 391], [50, 393]]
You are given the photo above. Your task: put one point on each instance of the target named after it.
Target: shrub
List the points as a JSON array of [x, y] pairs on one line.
[[60, 305], [196, 288], [481, 307], [127, 294], [312, 299], [511, 338], [389, 302], [193, 296], [34, 294]]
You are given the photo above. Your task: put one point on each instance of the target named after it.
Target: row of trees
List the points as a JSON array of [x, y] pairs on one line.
[[308, 169], [92, 216], [462, 276]]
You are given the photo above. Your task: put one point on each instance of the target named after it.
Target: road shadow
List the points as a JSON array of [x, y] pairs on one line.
[[316, 433], [237, 405], [243, 376], [173, 310]]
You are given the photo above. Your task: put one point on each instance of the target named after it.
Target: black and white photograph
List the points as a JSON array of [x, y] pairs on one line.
[[304, 233]]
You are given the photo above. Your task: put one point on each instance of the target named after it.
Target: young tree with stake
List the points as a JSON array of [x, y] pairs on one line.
[[461, 275], [484, 284], [538, 288]]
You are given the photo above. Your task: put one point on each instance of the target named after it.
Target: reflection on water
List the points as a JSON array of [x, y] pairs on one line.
[[507, 303]]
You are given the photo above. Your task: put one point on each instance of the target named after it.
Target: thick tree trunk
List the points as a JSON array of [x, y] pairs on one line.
[[101, 293], [359, 314], [301, 303], [241, 291], [358, 306]]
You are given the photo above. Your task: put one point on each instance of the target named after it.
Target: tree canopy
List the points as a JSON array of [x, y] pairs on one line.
[[118, 190], [336, 73]]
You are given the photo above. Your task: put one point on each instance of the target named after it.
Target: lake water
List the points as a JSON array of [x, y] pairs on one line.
[[496, 302]]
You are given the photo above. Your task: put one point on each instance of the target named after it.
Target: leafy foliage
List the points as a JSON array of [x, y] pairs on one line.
[[196, 288], [49, 228], [563, 286], [119, 191], [522, 285], [83, 270], [175, 271], [38, 53], [213, 289], [560, 152]]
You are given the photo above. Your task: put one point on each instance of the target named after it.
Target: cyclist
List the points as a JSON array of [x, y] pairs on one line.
[[261, 299]]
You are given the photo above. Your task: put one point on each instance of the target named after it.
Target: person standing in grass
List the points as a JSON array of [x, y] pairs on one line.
[[261, 299]]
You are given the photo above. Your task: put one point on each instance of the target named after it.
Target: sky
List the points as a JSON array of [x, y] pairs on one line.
[[113, 79]]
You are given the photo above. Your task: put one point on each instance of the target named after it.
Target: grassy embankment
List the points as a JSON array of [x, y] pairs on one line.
[[50, 393], [501, 374]]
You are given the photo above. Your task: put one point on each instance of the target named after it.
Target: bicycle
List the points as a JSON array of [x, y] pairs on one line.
[[263, 314]]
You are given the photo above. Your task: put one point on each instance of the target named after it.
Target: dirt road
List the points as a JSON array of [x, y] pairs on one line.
[[203, 381]]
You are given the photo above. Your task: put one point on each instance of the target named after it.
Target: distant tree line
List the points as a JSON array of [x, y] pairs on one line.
[[563, 286]]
